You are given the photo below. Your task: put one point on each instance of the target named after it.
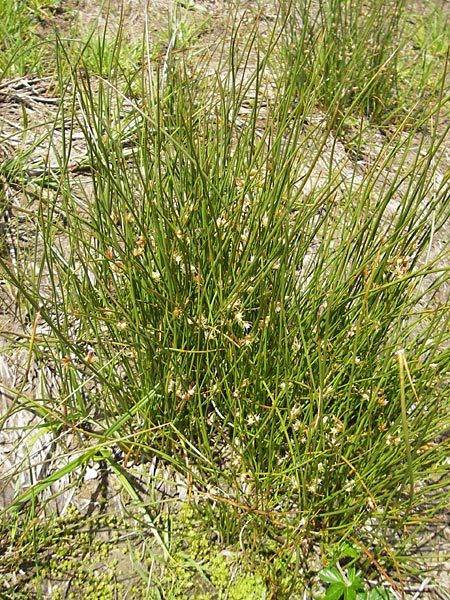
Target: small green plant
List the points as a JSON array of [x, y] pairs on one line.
[[348, 584]]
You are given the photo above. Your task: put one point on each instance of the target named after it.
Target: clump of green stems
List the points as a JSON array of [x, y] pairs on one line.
[[348, 51], [275, 331], [23, 52]]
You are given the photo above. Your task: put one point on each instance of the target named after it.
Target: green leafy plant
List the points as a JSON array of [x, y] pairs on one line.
[[346, 584]]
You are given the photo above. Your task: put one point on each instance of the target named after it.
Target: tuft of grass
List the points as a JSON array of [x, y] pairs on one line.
[[230, 293], [421, 66], [347, 52], [22, 50]]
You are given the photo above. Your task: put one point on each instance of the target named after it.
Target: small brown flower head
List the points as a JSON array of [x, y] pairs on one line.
[[141, 241], [427, 447], [401, 266], [252, 420], [246, 341], [90, 357], [393, 440], [381, 398], [264, 322]]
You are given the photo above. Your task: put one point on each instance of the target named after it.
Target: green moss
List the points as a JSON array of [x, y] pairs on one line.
[[248, 587], [220, 571]]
